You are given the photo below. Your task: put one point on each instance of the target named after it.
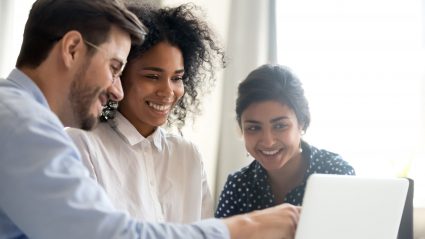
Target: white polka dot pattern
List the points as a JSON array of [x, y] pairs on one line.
[[248, 189]]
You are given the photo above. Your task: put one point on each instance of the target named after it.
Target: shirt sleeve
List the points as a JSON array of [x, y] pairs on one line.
[[46, 192]]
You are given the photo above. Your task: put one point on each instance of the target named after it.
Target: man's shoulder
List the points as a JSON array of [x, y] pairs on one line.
[[18, 108], [12, 98]]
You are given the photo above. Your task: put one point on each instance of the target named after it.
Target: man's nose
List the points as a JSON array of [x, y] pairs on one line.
[[115, 91]]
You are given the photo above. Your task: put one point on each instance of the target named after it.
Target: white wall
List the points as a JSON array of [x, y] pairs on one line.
[[13, 15]]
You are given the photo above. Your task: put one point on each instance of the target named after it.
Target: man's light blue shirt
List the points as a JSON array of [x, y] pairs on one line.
[[46, 192]]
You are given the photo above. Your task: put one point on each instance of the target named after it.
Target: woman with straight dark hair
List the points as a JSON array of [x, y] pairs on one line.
[[273, 114]]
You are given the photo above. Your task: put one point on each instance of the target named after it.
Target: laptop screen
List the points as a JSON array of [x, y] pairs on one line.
[[351, 207]]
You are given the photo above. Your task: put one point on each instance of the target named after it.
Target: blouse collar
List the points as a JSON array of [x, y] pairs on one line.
[[130, 134]]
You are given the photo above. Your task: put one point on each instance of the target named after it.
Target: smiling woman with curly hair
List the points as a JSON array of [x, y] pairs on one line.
[[152, 174], [181, 28]]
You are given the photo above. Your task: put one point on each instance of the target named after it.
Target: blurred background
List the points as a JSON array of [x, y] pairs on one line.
[[361, 63]]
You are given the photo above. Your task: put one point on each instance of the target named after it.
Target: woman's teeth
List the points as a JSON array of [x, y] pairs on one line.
[[269, 152], [159, 107]]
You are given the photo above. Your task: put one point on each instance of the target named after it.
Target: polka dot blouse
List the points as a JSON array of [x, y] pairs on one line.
[[249, 189]]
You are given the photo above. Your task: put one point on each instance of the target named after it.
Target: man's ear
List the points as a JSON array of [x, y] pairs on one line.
[[72, 47]]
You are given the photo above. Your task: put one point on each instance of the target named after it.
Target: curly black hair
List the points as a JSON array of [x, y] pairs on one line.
[[182, 28]]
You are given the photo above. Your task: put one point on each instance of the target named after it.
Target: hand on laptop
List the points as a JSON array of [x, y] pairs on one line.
[[279, 222]]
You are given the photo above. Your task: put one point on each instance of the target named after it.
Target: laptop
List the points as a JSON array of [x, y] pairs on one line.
[[406, 225], [351, 207]]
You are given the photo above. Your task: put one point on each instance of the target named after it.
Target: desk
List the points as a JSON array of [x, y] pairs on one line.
[[419, 223]]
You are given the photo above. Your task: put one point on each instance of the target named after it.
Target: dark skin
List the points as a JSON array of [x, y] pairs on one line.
[[152, 87]]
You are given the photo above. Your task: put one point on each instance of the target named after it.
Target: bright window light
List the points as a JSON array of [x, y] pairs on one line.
[[362, 66]]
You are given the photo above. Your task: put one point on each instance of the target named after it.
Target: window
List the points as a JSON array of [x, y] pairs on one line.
[[13, 15], [362, 66]]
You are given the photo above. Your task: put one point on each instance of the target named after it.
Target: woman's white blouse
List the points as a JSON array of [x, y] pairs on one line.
[[158, 178]]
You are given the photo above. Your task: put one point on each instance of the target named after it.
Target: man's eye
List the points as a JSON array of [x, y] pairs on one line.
[[116, 70]]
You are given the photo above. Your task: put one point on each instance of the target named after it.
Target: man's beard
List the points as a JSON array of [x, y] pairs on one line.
[[82, 98]]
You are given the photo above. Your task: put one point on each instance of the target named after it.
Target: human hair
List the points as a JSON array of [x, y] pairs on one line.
[[275, 83], [49, 20], [183, 29]]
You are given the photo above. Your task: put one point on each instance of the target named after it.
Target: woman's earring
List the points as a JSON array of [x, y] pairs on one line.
[[109, 111], [301, 149], [302, 133]]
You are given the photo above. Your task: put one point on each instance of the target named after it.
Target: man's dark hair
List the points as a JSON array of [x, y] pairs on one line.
[[49, 20]]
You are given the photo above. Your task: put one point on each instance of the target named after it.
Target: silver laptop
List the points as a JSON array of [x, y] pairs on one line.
[[351, 207]]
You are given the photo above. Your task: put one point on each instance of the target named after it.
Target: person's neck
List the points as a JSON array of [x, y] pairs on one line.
[[288, 177], [144, 129], [52, 86]]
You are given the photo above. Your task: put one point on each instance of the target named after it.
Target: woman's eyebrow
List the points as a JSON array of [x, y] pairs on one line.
[[153, 68], [278, 119]]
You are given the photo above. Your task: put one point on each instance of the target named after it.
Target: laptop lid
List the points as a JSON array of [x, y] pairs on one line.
[[406, 225], [351, 207]]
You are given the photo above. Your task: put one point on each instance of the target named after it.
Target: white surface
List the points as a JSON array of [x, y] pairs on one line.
[[419, 223], [356, 77], [352, 207]]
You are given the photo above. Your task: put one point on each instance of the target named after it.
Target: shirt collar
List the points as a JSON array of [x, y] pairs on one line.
[[130, 134], [24, 82], [308, 154], [157, 136]]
